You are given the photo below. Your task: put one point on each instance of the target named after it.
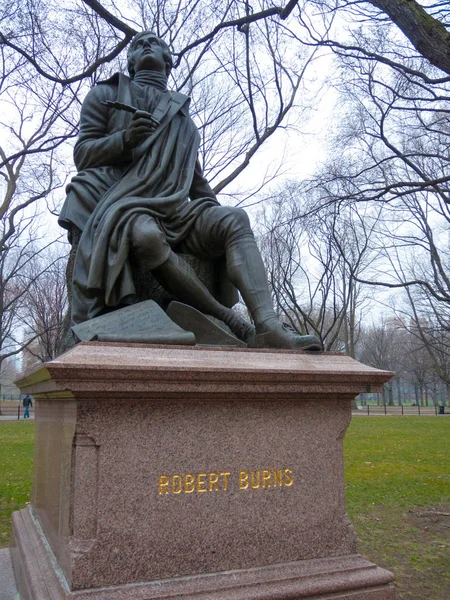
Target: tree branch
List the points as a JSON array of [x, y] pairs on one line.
[[239, 23], [110, 18], [87, 73], [428, 35]]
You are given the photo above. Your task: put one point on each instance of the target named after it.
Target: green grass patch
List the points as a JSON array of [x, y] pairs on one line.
[[397, 473], [16, 471], [397, 462]]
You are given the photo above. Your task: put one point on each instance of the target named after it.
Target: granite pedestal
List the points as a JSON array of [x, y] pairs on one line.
[[175, 472]]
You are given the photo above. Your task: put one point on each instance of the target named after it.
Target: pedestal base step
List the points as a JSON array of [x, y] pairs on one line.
[[348, 577]]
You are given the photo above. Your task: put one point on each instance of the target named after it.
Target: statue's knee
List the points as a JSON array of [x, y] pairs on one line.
[[235, 218], [147, 240], [241, 218]]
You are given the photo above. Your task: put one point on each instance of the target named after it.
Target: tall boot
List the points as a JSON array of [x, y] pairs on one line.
[[246, 271], [178, 278]]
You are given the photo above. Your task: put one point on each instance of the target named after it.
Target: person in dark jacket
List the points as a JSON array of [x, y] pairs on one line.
[[27, 402]]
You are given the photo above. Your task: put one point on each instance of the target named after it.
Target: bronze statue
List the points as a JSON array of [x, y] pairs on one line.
[[140, 196]]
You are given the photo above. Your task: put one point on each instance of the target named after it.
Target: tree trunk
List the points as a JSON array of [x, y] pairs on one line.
[[391, 393], [428, 35], [399, 392]]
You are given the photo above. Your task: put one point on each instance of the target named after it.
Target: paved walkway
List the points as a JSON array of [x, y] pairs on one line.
[[8, 590], [14, 418]]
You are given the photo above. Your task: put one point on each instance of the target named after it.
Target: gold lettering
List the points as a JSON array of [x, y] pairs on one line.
[[201, 482], [225, 474], [189, 485], [163, 485], [213, 482], [265, 478], [254, 479], [288, 477], [277, 477], [243, 480], [177, 484], [210, 482]]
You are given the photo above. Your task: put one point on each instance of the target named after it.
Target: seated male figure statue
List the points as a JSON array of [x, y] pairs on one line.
[[140, 193]]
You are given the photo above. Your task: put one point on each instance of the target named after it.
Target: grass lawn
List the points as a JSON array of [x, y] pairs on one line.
[[16, 470], [398, 498], [398, 495]]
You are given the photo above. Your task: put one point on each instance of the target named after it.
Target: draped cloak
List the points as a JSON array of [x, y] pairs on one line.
[[114, 186]]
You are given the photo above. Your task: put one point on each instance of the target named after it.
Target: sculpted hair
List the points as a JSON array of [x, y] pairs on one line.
[[166, 52]]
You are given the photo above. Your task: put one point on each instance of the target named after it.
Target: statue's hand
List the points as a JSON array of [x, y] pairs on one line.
[[140, 127]]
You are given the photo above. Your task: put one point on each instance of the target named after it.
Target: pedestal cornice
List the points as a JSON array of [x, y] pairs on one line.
[[108, 369]]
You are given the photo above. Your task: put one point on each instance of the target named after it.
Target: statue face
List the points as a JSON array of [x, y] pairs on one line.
[[148, 54]]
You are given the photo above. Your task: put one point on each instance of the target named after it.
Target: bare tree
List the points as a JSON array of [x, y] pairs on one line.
[[419, 369], [390, 156], [36, 119], [21, 267], [9, 373], [426, 323], [312, 265], [424, 26], [45, 305], [236, 61], [381, 347], [425, 29]]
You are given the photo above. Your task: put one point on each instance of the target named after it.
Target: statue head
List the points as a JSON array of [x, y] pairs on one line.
[[140, 55]]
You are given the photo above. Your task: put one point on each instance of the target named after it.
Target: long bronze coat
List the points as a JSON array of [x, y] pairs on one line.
[[161, 178]]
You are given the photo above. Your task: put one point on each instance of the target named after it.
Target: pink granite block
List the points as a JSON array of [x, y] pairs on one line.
[[344, 578], [181, 465]]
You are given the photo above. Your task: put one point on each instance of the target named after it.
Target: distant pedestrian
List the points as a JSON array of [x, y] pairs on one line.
[[27, 402]]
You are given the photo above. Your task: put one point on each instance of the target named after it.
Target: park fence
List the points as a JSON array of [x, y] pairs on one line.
[[384, 409], [11, 405]]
